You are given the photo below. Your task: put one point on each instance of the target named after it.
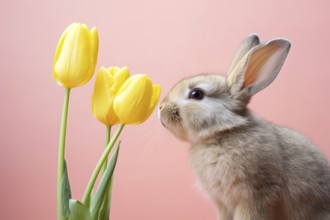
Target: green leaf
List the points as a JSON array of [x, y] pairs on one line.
[[100, 205], [104, 211], [78, 211], [65, 194]]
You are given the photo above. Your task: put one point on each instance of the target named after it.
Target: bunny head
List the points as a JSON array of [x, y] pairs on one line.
[[202, 106]]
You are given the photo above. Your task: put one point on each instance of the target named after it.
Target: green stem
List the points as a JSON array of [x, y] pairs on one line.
[[61, 150], [107, 140], [99, 165]]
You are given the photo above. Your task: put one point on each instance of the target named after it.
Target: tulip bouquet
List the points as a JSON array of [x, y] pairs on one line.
[[118, 98]]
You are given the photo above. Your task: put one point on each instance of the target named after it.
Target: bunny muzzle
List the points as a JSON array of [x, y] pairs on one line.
[[169, 116]]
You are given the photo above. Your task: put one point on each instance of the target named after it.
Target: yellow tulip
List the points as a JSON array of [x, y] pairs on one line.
[[136, 99], [76, 56], [107, 83]]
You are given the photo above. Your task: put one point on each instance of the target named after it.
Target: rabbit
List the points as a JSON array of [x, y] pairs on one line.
[[249, 168]]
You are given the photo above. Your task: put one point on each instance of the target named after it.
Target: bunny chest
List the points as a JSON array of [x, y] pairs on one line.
[[220, 173]]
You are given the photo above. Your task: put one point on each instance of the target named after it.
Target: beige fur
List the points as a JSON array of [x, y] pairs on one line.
[[250, 168]]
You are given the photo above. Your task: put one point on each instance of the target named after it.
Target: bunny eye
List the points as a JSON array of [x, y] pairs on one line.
[[197, 94]]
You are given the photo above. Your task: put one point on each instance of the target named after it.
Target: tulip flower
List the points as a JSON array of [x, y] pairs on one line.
[[107, 83], [74, 64], [136, 99], [132, 100], [76, 56], [117, 98]]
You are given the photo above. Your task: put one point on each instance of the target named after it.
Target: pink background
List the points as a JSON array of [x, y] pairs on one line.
[[167, 39]]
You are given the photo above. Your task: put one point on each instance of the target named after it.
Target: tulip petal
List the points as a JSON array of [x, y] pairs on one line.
[[59, 68], [154, 99], [102, 98], [112, 70], [68, 58], [60, 43], [133, 99], [120, 77], [81, 63], [94, 46]]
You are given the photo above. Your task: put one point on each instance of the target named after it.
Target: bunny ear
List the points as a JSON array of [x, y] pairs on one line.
[[246, 45], [259, 67]]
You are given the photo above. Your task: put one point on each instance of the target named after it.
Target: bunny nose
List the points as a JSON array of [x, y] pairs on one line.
[[160, 107]]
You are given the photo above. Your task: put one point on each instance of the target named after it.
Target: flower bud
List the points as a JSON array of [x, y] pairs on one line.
[[76, 56], [136, 99], [107, 83]]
